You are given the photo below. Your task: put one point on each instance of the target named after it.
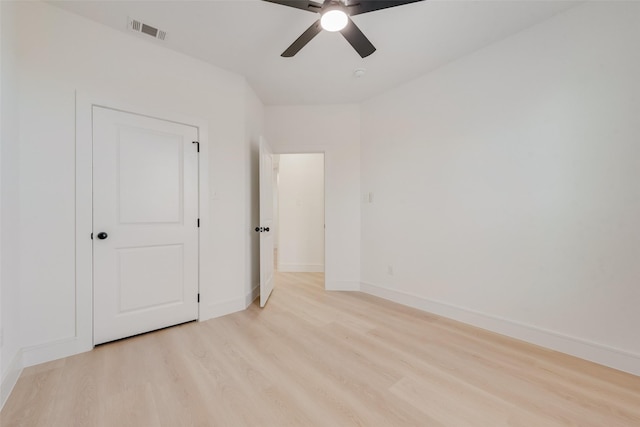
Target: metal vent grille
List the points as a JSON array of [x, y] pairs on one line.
[[138, 26]]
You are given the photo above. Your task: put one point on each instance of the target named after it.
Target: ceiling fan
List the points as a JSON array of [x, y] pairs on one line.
[[336, 16]]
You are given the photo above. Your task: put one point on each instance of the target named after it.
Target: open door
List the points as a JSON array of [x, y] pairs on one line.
[[266, 222]]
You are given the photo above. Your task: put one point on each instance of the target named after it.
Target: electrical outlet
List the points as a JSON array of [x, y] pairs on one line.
[[390, 270]]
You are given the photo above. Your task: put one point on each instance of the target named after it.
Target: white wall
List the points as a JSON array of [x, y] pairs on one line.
[[254, 129], [506, 187], [334, 130], [301, 213], [1, 204], [60, 53], [10, 354], [2, 137]]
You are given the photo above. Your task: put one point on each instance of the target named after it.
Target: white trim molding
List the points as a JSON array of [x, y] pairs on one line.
[[594, 352], [251, 296], [341, 285], [300, 268], [58, 349], [10, 378], [230, 306]]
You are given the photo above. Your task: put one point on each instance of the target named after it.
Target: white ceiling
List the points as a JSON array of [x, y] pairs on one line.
[[248, 36]]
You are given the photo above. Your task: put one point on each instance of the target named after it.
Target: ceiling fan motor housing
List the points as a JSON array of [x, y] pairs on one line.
[[343, 23]]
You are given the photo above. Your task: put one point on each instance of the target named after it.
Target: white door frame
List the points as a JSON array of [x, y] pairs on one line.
[[83, 340], [324, 196]]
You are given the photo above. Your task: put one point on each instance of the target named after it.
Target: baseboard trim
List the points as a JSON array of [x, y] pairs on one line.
[[300, 268], [10, 378], [251, 296], [584, 349], [341, 285], [53, 350], [222, 308]]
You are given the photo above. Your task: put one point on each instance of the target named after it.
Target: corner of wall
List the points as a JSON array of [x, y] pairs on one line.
[[251, 296], [10, 352], [10, 377], [222, 308], [253, 129]]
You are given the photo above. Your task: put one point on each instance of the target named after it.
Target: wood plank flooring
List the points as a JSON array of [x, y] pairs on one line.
[[316, 358]]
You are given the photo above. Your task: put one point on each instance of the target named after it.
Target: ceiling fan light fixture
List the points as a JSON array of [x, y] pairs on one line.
[[334, 20]]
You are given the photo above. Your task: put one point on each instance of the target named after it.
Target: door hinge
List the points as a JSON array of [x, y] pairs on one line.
[[91, 236], [198, 145], [198, 297], [198, 222]]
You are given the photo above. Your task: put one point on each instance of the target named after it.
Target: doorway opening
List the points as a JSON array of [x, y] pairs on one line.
[[299, 216]]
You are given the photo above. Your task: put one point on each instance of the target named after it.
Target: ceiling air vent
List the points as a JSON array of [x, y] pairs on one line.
[[140, 27]]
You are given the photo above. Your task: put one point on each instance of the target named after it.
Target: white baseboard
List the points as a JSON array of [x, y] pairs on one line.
[[229, 306], [10, 378], [594, 352], [341, 285], [300, 268], [223, 308], [54, 350], [251, 296]]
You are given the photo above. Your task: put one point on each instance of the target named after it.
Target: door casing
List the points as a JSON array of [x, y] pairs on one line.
[[83, 339]]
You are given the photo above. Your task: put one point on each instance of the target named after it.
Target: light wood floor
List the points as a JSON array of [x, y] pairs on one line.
[[314, 358]]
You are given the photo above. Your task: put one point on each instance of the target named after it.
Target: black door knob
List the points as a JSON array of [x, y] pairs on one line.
[[102, 235], [257, 229], [266, 229]]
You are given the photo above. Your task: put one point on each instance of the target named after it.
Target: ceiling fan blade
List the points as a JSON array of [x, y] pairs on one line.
[[298, 4], [301, 41], [365, 6], [357, 39]]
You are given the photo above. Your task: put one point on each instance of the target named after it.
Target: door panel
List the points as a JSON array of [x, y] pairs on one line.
[[266, 222], [149, 191], [150, 277], [145, 184]]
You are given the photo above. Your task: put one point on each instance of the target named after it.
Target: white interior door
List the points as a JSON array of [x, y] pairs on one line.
[[266, 222], [145, 224]]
